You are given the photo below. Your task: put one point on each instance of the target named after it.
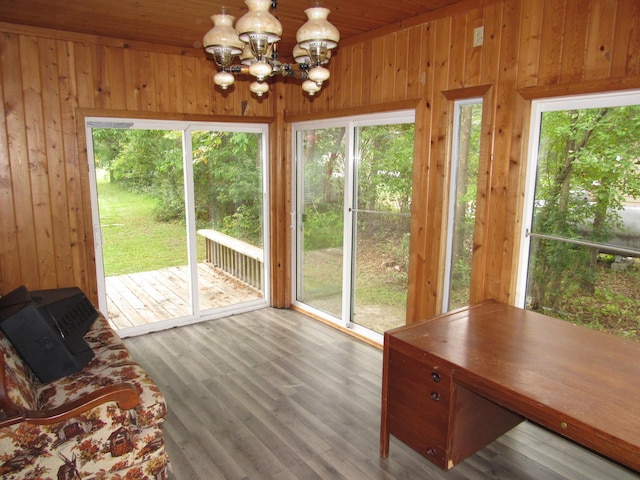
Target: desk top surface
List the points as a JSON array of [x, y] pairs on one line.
[[564, 376]]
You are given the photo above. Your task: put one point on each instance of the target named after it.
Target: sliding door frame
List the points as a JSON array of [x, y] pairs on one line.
[[350, 123], [186, 127]]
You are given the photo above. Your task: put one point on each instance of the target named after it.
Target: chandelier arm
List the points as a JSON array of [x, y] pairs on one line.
[[236, 69]]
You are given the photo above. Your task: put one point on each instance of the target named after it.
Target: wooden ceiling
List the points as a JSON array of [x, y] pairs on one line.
[[183, 23]]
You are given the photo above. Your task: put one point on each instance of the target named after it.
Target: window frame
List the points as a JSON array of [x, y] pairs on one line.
[[186, 127], [538, 107], [452, 194]]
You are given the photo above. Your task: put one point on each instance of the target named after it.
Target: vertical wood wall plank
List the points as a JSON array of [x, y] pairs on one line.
[[162, 94], [55, 160], [9, 267], [530, 39], [415, 62], [401, 65], [175, 86], [387, 82], [626, 43], [602, 15], [204, 87], [115, 84], [457, 52], [494, 20], [367, 72], [84, 74], [343, 89], [420, 183], [377, 72], [133, 97], [147, 81], [37, 158], [429, 211], [551, 41], [73, 171], [439, 168], [506, 161], [21, 211], [473, 60], [280, 171], [189, 94], [355, 79], [101, 86], [574, 40]]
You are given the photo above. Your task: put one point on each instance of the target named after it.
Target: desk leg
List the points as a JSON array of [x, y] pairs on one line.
[[384, 434], [384, 431], [384, 447]]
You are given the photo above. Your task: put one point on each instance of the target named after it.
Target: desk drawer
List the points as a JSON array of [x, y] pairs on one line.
[[419, 383], [422, 434], [418, 404]]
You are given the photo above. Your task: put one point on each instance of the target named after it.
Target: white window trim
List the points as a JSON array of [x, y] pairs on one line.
[[538, 107]]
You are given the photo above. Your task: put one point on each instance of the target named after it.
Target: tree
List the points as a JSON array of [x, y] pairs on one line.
[[227, 175], [588, 164], [107, 144], [227, 170], [465, 202]]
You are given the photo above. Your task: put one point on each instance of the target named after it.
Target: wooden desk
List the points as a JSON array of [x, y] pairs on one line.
[[454, 383]]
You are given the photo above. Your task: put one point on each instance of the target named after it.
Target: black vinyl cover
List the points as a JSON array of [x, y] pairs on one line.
[[47, 327]]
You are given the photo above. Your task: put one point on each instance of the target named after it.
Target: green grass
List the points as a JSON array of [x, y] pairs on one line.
[[132, 240]]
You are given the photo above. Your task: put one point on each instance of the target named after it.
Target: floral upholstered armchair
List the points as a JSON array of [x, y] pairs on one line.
[[103, 422]]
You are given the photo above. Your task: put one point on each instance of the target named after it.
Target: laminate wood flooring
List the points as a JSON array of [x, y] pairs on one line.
[[273, 394]]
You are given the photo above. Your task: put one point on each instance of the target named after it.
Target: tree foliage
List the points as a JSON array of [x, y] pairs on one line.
[[385, 167], [384, 180], [589, 163], [227, 173]]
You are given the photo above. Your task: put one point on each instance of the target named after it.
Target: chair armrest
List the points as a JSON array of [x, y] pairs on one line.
[[124, 394], [6, 404]]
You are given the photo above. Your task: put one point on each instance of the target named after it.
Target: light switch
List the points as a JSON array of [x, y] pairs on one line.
[[478, 36]]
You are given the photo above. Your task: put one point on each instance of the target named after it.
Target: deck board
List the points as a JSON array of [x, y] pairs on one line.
[[147, 297]]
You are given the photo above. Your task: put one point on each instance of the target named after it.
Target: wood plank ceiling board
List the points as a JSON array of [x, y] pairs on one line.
[[183, 24]]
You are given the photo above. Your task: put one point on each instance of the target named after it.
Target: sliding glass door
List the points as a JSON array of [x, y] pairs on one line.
[[320, 245], [353, 200], [178, 220], [380, 224]]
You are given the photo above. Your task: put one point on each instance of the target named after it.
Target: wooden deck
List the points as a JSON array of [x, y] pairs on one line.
[[148, 297]]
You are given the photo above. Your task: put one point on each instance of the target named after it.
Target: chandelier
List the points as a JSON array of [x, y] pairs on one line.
[[254, 44]]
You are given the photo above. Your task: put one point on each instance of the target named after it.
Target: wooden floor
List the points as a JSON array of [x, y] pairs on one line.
[[272, 394], [148, 297]]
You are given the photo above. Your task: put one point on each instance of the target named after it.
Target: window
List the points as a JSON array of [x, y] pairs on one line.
[[581, 255], [463, 190]]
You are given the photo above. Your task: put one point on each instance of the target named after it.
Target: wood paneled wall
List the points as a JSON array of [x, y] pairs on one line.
[[48, 81], [531, 49]]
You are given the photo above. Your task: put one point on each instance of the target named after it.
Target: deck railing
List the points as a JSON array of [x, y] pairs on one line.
[[237, 258]]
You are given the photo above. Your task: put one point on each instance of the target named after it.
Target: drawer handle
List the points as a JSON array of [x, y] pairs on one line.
[[435, 396], [435, 376]]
